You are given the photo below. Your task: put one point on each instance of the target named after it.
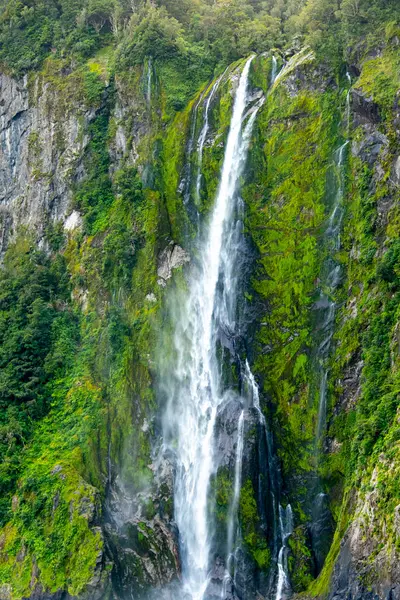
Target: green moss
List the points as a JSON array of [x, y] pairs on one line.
[[260, 74], [380, 80], [173, 156], [300, 560], [180, 81], [366, 331], [95, 194], [79, 88], [222, 489], [255, 541], [290, 160], [320, 587], [102, 63]]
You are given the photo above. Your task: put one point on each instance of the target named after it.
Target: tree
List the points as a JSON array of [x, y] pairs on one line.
[[152, 32], [99, 13]]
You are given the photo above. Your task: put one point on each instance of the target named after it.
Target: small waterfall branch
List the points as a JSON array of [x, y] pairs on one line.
[[283, 589], [331, 275]]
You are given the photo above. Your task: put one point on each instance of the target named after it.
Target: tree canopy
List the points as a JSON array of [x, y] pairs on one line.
[[218, 32]]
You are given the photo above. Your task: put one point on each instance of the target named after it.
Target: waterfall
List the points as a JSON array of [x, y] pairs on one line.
[[321, 519], [348, 107], [330, 282], [186, 184], [274, 70], [203, 135], [322, 403], [286, 529], [232, 519], [149, 78], [285, 517], [331, 276], [193, 385]]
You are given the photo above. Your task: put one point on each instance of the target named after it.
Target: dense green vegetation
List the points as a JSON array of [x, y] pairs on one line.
[[38, 338], [286, 213], [186, 39], [365, 421], [74, 321], [46, 418], [254, 539]]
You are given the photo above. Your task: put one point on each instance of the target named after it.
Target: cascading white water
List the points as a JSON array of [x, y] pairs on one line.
[[322, 405], [186, 183], [203, 135], [282, 535], [232, 518], [286, 528], [149, 78], [253, 392], [193, 388], [348, 107], [274, 70]]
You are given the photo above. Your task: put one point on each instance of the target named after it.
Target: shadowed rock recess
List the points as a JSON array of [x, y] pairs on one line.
[[200, 300]]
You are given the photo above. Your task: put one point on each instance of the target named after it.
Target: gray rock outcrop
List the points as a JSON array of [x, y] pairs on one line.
[[40, 155]]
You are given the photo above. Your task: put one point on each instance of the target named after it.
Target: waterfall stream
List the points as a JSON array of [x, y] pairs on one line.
[[186, 184], [330, 282], [286, 528], [285, 516], [321, 527], [331, 275], [274, 70], [321, 520], [232, 519], [194, 387], [203, 134], [149, 80]]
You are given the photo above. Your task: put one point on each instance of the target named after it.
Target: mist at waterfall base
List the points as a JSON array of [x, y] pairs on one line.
[[210, 412]]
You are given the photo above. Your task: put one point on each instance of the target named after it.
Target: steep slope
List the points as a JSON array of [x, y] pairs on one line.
[[364, 421], [106, 174]]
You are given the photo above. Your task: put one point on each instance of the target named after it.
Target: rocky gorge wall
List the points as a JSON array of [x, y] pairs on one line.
[[94, 167]]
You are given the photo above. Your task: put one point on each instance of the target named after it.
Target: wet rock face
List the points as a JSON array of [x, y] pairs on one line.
[[396, 115], [396, 171], [321, 530], [351, 386], [227, 433], [131, 115], [40, 595], [143, 555], [100, 590], [364, 108], [249, 581], [370, 147], [141, 537], [310, 77], [40, 157]]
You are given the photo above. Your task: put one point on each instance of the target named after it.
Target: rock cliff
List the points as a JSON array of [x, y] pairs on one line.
[[102, 191]]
